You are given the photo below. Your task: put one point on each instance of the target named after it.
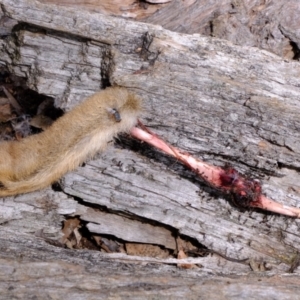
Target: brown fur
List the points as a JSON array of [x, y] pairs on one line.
[[39, 160]]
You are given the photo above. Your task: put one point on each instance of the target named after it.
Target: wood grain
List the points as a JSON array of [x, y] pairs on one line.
[[223, 103]]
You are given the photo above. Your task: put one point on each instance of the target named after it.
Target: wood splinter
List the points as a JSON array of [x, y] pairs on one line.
[[246, 192]]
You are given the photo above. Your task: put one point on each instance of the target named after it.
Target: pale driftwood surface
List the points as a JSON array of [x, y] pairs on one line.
[[224, 103], [271, 25], [91, 275]]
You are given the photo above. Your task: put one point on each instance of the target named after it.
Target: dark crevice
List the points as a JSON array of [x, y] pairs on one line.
[[130, 216], [56, 187], [282, 165], [29, 103], [211, 28], [293, 44], [134, 217], [107, 68], [296, 50], [145, 53], [22, 26]]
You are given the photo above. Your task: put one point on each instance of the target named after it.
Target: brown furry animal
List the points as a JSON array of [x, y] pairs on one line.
[[39, 160]]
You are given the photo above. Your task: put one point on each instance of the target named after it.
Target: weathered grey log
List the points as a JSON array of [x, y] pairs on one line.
[[270, 25], [224, 103], [30, 268]]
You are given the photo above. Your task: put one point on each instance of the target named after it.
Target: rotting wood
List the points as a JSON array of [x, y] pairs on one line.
[[224, 103]]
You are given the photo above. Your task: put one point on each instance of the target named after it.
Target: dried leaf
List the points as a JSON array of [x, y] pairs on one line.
[[146, 250], [109, 246], [182, 255], [69, 226], [5, 113], [14, 103]]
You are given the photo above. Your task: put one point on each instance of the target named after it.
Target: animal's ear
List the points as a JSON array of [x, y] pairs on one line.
[[115, 114]]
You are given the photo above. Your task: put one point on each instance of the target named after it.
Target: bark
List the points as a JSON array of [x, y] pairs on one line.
[[223, 103], [30, 268], [271, 25]]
